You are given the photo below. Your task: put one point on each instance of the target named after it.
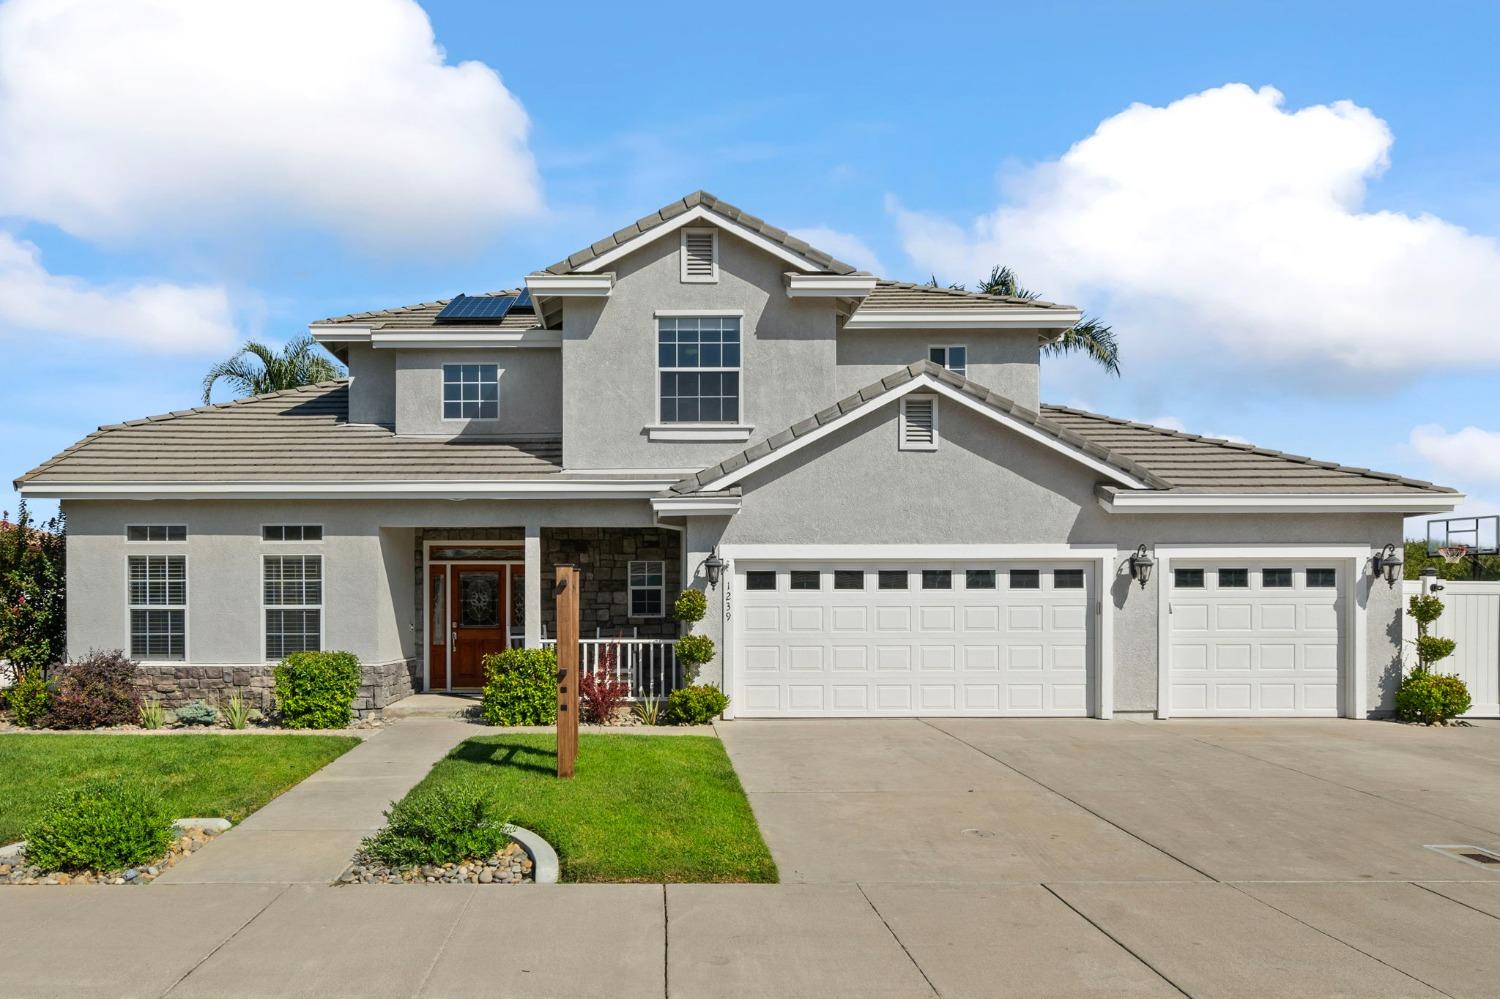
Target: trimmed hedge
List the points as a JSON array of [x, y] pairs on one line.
[[94, 691], [445, 824], [520, 687], [100, 827], [1431, 698], [695, 705], [317, 689]]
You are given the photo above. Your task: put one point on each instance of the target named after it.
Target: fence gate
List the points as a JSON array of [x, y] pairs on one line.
[[1471, 617]]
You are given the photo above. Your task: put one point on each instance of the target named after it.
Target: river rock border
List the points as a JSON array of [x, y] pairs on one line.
[[527, 858], [191, 835]]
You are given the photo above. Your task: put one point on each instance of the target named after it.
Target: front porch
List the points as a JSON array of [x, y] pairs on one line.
[[480, 590]]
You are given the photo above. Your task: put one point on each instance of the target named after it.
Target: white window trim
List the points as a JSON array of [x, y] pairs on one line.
[[901, 441], [728, 430], [129, 606], [443, 383], [300, 541], [265, 608], [945, 348], [713, 234], [148, 541], [632, 588]]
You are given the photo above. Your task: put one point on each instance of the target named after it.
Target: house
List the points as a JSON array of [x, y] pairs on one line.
[[858, 472]]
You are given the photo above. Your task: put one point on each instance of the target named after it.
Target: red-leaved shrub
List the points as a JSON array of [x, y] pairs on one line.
[[601, 692], [94, 691]]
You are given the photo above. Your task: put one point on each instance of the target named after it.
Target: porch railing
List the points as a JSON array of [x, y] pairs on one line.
[[648, 665]]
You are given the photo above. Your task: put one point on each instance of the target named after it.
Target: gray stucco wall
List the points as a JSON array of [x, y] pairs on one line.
[[530, 392], [372, 391], [609, 356], [1005, 361]]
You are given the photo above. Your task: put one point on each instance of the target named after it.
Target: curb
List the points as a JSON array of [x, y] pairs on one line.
[[544, 866]]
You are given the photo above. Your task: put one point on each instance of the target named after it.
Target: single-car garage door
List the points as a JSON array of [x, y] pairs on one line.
[[1257, 638], [950, 638]]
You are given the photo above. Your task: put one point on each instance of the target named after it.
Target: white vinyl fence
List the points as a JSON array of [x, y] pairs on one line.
[[648, 665], [1471, 617]]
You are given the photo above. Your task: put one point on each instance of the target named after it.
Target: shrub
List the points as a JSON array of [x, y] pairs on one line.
[[197, 713], [100, 827], [33, 593], [29, 698], [440, 825], [692, 651], [520, 687], [695, 705], [95, 691], [152, 715], [237, 711], [317, 689], [690, 606], [1431, 698], [647, 710], [602, 692]]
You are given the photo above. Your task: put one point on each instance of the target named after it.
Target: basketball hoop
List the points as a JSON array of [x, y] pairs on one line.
[[1453, 554]]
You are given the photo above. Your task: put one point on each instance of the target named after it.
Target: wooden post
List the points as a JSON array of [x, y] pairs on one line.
[[566, 591]]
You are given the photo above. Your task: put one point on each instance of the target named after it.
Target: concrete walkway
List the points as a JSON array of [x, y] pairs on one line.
[[307, 835]]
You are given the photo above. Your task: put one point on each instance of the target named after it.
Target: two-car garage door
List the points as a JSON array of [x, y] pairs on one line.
[[939, 638]]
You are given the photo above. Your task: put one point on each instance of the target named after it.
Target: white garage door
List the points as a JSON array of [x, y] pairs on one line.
[[994, 638], [1258, 638]]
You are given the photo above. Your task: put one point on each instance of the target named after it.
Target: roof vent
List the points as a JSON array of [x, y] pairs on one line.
[[919, 423], [700, 255]]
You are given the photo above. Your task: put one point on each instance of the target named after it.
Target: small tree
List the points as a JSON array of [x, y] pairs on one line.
[[1425, 696], [1424, 609], [692, 651], [33, 605]]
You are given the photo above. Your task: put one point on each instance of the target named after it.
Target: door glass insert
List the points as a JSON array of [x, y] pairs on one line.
[[479, 599], [439, 619]]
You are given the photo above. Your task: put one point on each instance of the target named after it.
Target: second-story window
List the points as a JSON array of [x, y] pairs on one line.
[[955, 359], [698, 362], [471, 391]]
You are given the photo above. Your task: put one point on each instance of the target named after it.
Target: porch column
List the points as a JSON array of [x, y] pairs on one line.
[[533, 557]]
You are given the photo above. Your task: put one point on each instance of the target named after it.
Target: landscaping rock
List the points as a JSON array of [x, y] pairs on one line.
[[21, 873], [509, 866]]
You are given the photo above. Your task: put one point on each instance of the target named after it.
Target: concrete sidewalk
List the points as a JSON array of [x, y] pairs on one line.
[[308, 835]]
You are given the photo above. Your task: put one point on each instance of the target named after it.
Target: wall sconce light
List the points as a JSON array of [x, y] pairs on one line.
[[713, 568], [1140, 566], [1388, 564]]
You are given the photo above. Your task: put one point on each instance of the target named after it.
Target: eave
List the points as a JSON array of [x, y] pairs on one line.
[[964, 319], [1159, 502]]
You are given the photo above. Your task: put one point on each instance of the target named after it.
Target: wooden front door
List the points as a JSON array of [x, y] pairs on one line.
[[477, 610]]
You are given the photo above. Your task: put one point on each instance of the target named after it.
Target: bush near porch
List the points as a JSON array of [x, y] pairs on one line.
[[646, 808]]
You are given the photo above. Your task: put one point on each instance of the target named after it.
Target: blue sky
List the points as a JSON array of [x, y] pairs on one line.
[[1312, 268]]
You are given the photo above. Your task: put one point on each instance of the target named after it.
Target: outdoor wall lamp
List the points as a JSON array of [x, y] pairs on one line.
[[1140, 566], [713, 568], [1388, 564]]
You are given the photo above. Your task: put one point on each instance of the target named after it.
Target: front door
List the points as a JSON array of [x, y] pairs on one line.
[[478, 610]]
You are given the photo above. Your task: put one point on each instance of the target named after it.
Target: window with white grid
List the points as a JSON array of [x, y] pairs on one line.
[[647, 589], [698, 361], [293, 604], [471, 391], [158, 606]]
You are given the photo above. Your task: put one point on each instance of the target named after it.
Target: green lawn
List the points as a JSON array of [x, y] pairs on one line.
[[228, 776], [639, 807]]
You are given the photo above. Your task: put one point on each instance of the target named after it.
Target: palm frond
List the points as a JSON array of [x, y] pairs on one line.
[[257, 368], [1092, 338], [1003, 281]]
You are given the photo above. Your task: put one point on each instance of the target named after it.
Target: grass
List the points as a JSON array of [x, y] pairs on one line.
[[639, 808], [228, 776]]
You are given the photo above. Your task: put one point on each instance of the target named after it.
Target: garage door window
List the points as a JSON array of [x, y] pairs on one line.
[[1026, 579], [937, 579], [1067, 579], [979, 579], [849, 579], [1187, 579], [893, 579], [807, 579], [1234, 579], [1276, 579], [760, 579], [1322, 579]]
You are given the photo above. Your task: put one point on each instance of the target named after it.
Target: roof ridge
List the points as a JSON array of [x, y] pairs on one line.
[[175, 414], [965, 293]]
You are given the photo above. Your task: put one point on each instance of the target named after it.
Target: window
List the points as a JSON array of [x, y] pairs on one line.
[[760, 579], [1187, 579], [156, 532], [893, 579], [1026, 579], [158, 606], [806, 579], [919, 423], [1234, 579], [848, 579], [979, 579], [1067, 579], [471, 392], [293, 588], [1321, 579], [1275, 579], [291, 532], [955, 359], [647, 589], [700, 255], [698, 361], [937, 579]]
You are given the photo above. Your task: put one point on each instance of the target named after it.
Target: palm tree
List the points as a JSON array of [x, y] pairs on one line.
[[257, 369], [1089, 336]]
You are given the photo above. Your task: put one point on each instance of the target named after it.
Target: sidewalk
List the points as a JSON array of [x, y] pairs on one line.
[[308, 835]]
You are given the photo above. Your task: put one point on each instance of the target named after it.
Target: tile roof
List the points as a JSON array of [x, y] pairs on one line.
[[1191, 463], [903, 296], [424, 316], [668, 212], [301, 434]]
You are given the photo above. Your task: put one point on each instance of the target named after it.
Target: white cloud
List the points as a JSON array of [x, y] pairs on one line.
[[1226, 230], [1467, 455], [159, 315], [122, 119], [848, 248], [1168, 423]]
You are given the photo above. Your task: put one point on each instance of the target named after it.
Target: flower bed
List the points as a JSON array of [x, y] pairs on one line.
[[509, 866]]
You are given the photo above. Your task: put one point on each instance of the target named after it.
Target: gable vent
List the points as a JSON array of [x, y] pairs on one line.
[[919, 423], [700, 255]]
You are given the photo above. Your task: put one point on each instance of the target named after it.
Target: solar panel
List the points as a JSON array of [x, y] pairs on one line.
[[523, 300], [471, 308]]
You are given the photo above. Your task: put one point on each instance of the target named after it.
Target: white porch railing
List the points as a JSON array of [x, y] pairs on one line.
[[648, 665]]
